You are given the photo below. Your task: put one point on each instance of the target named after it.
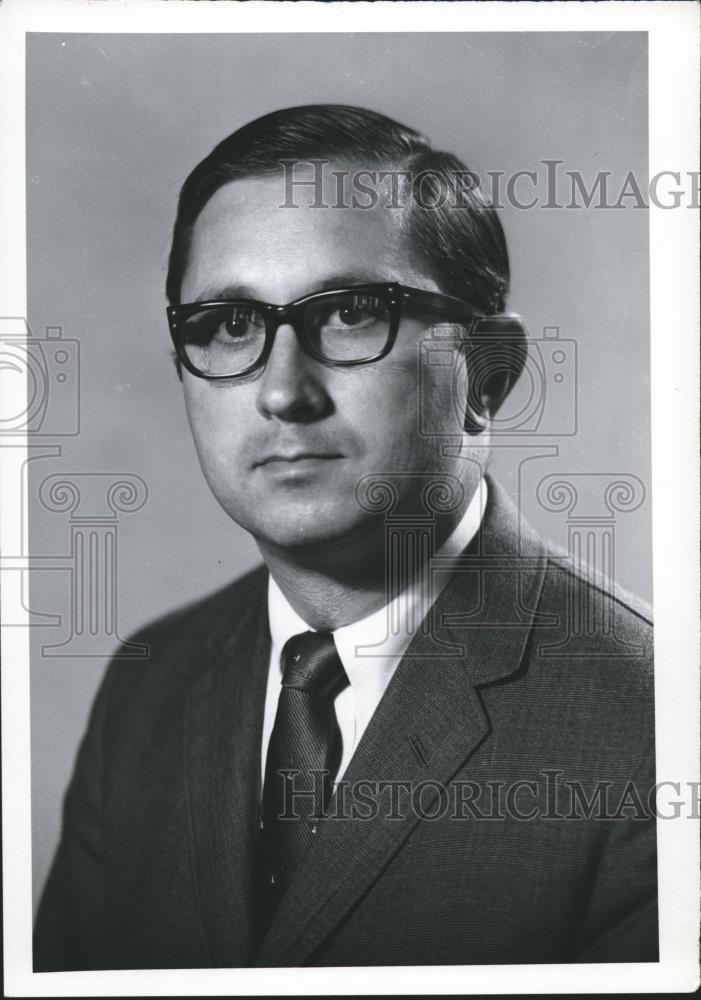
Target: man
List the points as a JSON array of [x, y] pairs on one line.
[[390, 744]]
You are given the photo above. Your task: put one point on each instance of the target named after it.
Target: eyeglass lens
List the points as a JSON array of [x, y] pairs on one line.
[[340, 327]]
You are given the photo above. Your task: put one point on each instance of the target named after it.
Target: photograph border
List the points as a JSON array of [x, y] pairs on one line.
[[674, 138]]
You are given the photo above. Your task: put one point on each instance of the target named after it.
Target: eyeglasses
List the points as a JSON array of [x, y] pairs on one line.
[[341, 328]]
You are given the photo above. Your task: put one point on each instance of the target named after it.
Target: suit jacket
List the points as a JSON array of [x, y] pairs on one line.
[[519, 726]]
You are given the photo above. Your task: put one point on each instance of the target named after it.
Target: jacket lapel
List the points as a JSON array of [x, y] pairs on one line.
[[224, 718], [427, 725]]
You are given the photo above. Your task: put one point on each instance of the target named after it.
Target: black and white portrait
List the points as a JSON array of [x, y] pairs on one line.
[[338, 476]]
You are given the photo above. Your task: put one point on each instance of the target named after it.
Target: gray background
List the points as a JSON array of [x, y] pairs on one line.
[[114, 124]]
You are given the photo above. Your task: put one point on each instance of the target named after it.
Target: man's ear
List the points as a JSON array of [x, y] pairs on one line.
[[493, 392], [496, 354]]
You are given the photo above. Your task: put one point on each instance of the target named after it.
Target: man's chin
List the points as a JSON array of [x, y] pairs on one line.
[[315, 534], [304, 535]]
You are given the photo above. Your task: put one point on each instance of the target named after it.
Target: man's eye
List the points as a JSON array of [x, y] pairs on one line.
[[359, 311], [352, 315], [240, 323], [224, 325]]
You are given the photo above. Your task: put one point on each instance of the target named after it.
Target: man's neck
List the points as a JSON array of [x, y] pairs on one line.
[[336, 587], [325, 597]]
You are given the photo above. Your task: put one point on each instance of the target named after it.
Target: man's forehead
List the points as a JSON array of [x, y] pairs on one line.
[[271, 200], [246, 228]]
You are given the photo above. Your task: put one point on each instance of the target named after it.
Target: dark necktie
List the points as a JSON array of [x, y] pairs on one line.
[[303, 757]]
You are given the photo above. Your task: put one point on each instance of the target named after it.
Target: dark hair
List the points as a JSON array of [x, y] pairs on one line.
[[463, 247]]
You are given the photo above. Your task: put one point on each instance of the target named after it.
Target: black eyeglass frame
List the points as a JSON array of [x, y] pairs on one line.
[[393, 295]]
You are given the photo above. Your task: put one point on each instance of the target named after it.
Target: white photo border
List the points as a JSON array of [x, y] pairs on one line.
[[674, 141]]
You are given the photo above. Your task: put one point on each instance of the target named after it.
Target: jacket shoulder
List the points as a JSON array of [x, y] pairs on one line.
[[595, 634], [600, 590], [179, 644], [200, 617], [566, 580]]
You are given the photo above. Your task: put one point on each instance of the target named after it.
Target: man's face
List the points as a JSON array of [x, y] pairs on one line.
[[283, 450]]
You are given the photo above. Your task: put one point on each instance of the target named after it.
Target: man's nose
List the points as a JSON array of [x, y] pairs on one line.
[[291, 386]]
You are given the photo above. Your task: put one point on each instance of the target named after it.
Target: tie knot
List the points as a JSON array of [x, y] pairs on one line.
[[311, 663]]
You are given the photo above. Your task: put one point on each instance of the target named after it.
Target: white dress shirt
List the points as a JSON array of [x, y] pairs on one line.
[[371, 648]]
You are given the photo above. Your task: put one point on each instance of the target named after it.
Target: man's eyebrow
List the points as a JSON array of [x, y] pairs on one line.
[[215, 293], [359, 277]]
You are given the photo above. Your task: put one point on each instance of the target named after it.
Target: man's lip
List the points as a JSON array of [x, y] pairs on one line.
[[297, 456]]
